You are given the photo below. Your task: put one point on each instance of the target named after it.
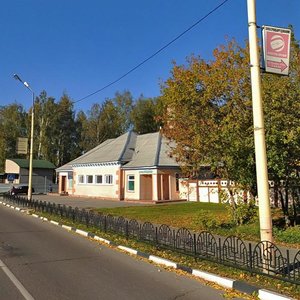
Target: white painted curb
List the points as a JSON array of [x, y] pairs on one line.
[[162, 261], [267, 295], [97, 238], [81, 232], [225, 282], [129, 250]]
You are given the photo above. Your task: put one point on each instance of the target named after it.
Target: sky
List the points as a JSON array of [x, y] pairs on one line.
[[79, 46]]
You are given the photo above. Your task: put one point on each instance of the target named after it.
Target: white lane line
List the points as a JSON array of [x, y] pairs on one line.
[[15, 281]]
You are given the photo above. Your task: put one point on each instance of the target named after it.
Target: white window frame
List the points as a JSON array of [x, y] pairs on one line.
[[129, 180], [80, 179], [108, 179], [87, 177], [96, 179]]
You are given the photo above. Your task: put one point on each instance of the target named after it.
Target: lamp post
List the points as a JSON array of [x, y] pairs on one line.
[[29, 196], [265, 219]]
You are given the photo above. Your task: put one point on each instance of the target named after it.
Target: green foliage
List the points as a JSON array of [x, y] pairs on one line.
[[206, 220], [243, 213], [240, 209], [145, 114], [208, 113], [290, 235], [61, 135], [64, 135], [12, 125]]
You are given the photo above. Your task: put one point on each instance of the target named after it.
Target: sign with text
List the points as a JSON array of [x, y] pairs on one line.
[[276, 49], [22, 145]]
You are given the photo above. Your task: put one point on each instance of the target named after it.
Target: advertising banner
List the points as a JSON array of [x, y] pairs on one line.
[[276, 49]]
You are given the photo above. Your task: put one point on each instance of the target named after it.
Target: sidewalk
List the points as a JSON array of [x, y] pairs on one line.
[[84, 202]]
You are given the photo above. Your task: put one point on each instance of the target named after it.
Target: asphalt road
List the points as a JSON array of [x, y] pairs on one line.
[[41, 261]]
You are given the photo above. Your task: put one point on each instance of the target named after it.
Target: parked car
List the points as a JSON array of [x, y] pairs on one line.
[[22, 189]]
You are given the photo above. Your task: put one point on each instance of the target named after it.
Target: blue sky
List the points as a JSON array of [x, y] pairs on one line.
[[77, 46]]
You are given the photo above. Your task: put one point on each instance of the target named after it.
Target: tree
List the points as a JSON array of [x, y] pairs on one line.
[[82, 131], [45, 120], [208, 113], [108, 120], [282, 108], [124, 104], [12, 125], [103, 122], [145, 115], [64, 135]]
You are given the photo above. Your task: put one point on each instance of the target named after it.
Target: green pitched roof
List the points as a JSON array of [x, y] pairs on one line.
[[36, 163]]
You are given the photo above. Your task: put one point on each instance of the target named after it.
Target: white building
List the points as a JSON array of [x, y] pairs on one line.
[[130, 167]]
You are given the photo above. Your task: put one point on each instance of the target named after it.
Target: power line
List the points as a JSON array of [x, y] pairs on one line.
[[154, 54]]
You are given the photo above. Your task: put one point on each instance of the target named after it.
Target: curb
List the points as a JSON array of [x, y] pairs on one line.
[[238, 285]]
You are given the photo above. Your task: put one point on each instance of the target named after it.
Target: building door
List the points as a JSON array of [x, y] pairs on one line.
[[63, 184], [146, 187], [166, 192]]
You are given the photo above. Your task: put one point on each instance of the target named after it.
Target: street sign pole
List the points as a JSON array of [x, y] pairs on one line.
[[265, 220]]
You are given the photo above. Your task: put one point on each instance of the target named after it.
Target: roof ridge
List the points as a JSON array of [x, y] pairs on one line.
[[129, 133], [156, 161]]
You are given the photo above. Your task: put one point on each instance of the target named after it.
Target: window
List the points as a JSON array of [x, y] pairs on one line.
[[80, 179], [108, 179], [89, 178], [177, 182], [130, 180], [99, 179]]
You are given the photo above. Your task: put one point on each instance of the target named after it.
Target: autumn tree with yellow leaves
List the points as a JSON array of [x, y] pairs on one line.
[[208, 113]]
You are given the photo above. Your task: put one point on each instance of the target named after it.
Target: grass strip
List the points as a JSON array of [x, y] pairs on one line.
[[261, 281]]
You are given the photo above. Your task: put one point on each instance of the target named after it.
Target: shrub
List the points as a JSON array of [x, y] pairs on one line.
[[289, 235], [208, 221], [241, 212], [244, 213]]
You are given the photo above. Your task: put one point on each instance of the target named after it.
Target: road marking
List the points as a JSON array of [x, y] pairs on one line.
[[15, 281]]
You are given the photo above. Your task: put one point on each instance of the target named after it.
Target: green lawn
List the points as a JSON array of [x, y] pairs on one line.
[[175, 214], [198, 216]]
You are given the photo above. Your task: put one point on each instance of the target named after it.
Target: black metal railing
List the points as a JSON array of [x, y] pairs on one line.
[[262, 258]]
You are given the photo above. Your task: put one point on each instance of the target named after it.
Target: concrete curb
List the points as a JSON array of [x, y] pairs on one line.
[[222, 281]]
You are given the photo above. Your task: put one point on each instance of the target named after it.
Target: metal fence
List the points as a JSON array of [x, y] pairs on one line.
[[261, 258]]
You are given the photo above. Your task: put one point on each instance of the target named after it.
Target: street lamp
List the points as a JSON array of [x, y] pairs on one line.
[[29, 196], [265, 218]]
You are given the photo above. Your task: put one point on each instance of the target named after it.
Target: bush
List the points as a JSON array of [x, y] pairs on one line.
[[290, 235], [240, 212], [244, 213], [208, 221]]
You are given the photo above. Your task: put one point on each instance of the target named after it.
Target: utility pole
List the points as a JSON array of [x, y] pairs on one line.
[[265, 219], [29, 195]]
